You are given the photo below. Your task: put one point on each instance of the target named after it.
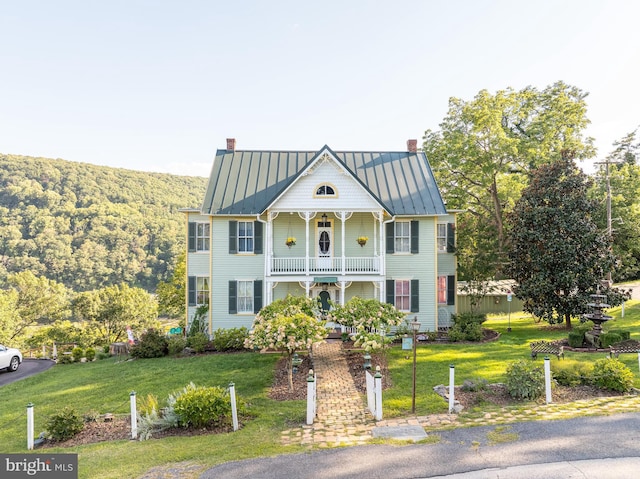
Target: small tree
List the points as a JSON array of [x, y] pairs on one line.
[[370, 318], [284, 326]]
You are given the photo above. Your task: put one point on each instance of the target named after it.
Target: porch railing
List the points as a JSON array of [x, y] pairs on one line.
[[352, 265]]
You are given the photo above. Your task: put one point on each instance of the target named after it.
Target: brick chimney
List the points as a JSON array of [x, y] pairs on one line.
[[412, 146], [231, 144]]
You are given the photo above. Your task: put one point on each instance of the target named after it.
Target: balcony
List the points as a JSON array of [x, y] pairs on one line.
[[336, 265]]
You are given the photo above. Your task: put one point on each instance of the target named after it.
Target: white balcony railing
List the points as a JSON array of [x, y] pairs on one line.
[[352, 265]]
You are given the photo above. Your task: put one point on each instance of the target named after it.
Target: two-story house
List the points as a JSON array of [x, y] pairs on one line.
[[324, 224]]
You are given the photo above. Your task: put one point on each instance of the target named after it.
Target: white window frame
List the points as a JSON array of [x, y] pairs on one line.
[[202, 290], [442, 237], [402, 241], [245, 238], [203, 237], [244, 298], [404, 296]]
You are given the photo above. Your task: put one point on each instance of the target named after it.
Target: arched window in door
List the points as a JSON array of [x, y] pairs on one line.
[[324, 243]]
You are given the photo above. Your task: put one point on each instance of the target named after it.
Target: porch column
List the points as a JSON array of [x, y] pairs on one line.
[[307, 217], [343, 286], [344, 216]]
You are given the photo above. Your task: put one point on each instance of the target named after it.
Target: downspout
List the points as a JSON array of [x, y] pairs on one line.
[[383, 256]]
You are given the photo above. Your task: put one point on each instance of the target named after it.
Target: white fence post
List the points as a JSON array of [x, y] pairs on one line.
[[547, 378], [134, 415], [452, 375], [378, 393], [311, 397], [30, 426], [234, 408]]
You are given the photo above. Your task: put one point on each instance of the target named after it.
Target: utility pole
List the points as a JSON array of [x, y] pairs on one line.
[[606, 164]]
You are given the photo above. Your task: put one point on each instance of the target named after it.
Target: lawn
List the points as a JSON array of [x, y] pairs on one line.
[[104, 386]]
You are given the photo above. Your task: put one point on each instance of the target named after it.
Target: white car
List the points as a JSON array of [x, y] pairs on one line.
[[10, 358]]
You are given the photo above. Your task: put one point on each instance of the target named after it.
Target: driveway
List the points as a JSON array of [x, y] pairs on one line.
[[29, 367]]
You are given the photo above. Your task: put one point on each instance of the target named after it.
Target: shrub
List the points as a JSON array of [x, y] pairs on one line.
[[199, 406], [467, 327], [525, 380], [572, 373], [102, 355], [145, 405], [612, 374], [65, 358], [198, 342], [152, 344], [90, 354], [576, 338], [176, 345], [230, 339], [77, 353], [607, 339], [63, 425]]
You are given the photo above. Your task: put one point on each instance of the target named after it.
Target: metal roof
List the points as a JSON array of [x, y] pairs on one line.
[[247, 182]]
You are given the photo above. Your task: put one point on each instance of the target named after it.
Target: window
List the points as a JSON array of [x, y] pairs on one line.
[[402, 237], [442, 289], [198, 290], [245, 236], [403, 295], [199, 236], [442, 238], [245, 296], [325, 190]]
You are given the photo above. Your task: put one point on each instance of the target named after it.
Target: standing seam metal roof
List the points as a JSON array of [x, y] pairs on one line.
[[245, 182]]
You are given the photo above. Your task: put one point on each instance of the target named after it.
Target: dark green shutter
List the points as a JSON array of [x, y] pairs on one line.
[[257, 296], [415, 237], [192, 290], [390, 238], [451, 238], [233, 297], [257, 237], [415, 296], [233, 237], [391, 291], [192, 237], [451, 290]]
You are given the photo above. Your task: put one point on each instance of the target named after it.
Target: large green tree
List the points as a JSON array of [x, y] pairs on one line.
[[29, 300], [108, 312], [485, 148], [171, 293], [558, 255]]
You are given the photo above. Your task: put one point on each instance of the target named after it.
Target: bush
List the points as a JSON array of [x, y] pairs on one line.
[[525, 380], [199, 406], [230, 339], [77, 353], [572, 373], [152, 344], [176, 345], [475, 385], [146, 405], [467, 327], [612, 374], [63, 425], [576, 338], [90, 354], [607, 339], [102, 355], [65, 358], [198, 342]]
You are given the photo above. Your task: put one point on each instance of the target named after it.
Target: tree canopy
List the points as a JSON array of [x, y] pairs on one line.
[[483, 151], [558, 254]]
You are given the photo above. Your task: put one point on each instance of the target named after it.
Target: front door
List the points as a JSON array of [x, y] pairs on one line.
[[324, 246]]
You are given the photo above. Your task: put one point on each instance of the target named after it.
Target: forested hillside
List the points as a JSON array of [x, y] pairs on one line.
[[90, 226]]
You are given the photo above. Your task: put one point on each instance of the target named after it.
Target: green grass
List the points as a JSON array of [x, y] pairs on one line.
[[104, 386]]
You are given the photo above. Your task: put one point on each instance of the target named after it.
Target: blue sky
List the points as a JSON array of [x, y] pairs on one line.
[[159, 85]]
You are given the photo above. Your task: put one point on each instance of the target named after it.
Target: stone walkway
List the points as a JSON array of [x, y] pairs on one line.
[[342, 418]]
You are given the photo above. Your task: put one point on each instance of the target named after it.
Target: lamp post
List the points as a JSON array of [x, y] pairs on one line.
[[415, 326]]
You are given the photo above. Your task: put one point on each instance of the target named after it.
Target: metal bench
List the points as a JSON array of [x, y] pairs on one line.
[[545, 347]]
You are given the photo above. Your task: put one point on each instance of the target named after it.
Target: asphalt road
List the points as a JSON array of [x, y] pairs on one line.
[[29, 367], [604, 447]]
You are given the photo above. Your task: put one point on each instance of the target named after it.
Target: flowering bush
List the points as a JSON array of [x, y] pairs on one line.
[[287, 325], [370, 319]]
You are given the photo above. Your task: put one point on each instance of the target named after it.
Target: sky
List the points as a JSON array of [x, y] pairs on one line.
[[159, 85]]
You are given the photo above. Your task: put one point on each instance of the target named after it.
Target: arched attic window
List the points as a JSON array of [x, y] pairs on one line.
[[325, 190]]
